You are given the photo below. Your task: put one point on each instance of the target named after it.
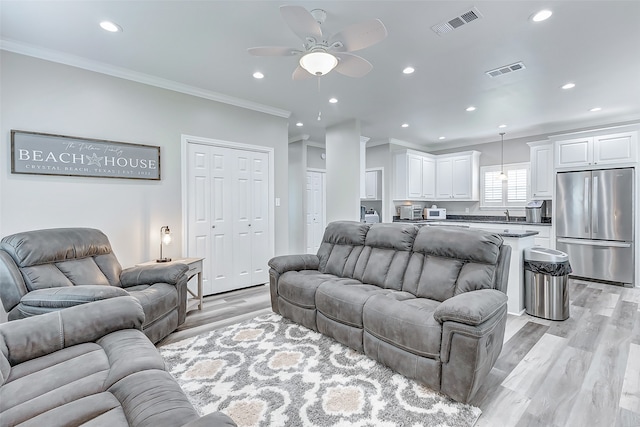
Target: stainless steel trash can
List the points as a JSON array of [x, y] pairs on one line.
[[546, 290]]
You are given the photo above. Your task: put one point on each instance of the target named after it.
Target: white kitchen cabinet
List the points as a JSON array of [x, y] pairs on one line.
[[428, 178], [372, 184], [611, 149], [457, 176], [541, 158], [616, 148], [414, 176]]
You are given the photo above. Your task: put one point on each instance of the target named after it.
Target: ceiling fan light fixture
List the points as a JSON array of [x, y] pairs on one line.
[[318, 63]]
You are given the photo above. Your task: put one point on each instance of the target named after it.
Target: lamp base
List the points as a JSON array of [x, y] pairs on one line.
[[163, 260]]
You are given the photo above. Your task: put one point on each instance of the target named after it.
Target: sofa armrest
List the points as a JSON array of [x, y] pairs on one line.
[[26, 339], [150, 274], [471, 308], [285, 263], [214, 419]]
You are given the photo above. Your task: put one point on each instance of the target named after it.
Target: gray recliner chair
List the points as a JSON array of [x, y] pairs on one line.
[[47, 270]]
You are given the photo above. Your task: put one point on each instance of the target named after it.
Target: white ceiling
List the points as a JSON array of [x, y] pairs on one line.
[[203, 45]]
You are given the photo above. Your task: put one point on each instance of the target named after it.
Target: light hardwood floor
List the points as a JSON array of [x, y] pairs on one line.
[[584, 371]]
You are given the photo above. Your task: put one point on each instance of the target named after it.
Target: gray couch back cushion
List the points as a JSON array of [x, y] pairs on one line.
[[447, 261], [385, 255], [63, 257], [341, 246]]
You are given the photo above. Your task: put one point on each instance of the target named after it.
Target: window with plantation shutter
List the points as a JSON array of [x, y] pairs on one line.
[[510, 193]]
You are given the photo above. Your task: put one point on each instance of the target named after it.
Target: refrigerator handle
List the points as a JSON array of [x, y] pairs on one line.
[[586, 203], [594, 212]]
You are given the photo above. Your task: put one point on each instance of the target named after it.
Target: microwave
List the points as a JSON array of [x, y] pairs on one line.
[[435, 213], [411, 212]]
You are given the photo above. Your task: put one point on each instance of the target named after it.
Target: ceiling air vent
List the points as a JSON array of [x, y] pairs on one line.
[[506, 69], [457, 22]]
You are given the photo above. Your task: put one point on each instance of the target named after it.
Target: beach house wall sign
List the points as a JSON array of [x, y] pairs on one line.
[[46, 154]]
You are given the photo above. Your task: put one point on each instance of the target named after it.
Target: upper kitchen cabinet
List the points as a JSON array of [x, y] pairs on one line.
[[414, 176], [598, 150], [541, 158], [373, 185], [457, 176]]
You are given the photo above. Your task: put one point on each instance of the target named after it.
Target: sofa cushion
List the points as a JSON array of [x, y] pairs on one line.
[[68, 296], [404, 321], [447, 261], [385, 255], [341, 246], [342, 300], [299, 287], [157, 300]]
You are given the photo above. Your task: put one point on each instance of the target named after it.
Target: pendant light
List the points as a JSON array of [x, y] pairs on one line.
[[502, 176]]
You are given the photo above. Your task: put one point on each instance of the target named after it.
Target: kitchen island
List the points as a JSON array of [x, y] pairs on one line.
[[519, 240]]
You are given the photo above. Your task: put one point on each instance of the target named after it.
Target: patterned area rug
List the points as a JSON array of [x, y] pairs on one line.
[[269, 371]]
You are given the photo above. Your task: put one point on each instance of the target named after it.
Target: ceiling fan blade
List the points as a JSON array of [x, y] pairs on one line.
[[359, 36], [301, 74], [301, 22], [273, 51], [352, 65]]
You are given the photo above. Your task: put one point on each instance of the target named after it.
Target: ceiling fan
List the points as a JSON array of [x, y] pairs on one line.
[[321, 54]]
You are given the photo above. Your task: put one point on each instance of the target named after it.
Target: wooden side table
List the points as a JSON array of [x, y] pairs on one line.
[[195, 267]]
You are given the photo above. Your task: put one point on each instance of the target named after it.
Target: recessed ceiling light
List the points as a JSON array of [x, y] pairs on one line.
[[299, 124], [405, 125], [594, 109], [110, 26], [258, 75], [568, 86], [442, 137], [333, 100], [409, 70], [502, 126], [542, 15], [471, 108]]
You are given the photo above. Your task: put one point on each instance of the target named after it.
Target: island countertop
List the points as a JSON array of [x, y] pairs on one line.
[[502, 233]]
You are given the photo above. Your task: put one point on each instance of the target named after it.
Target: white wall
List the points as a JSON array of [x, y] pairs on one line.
[[42, 96], [314, 157], [343, 171]]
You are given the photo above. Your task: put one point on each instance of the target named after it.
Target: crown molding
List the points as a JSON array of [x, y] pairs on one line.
[[124, 73]]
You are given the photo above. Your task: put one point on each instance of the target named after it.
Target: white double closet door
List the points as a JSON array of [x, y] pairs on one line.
[[228, 216]]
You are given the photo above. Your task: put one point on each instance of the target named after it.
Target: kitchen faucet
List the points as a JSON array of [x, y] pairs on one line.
[[507, 214]]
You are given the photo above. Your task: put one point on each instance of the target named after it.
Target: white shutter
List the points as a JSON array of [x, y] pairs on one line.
[[517, 186], [511, 193], [492, 193]]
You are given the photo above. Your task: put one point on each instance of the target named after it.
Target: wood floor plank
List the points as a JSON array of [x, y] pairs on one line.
[[527, 377], [519, 345], [553, 402], [627, 418], [598, 401], [505, 410], [630, 397], [589, 332]]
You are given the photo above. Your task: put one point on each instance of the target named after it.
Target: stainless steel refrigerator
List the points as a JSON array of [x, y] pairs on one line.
[[594, 223]]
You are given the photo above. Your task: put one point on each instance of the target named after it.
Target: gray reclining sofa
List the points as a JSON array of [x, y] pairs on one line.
[[89, 365], [47, 270], [429, 302]]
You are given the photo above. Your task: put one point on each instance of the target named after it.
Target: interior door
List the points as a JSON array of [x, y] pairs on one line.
[[314, 226]]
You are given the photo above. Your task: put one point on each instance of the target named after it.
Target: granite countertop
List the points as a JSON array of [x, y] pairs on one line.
[[502, 233], [519, 220]]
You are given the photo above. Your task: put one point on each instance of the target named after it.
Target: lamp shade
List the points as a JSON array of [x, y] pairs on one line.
[[318, 63]]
